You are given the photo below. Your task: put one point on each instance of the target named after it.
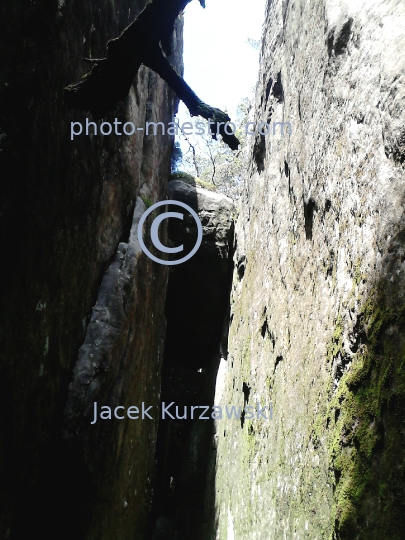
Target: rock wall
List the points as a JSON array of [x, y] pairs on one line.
[[67, 208], [197, 310], [317, 314]]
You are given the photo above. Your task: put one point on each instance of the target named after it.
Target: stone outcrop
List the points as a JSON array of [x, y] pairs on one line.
[[67, 208], [195, 325], [119, 365], [317, 309], [197, 309]]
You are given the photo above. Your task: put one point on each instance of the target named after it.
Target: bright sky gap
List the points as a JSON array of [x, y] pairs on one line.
[[220, 65]]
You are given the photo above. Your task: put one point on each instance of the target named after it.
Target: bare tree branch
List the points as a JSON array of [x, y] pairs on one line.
[[212, 159], [197, 169], [145, 41], [162, 67]]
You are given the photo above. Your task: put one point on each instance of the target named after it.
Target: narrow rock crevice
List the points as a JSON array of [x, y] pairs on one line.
[[197, 312], [309, 209]]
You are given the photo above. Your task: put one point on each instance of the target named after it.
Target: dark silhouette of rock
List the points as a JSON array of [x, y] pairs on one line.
[[66, 214]]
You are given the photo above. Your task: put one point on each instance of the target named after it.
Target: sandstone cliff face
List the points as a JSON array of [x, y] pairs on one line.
[[67, 209], [317, 320]]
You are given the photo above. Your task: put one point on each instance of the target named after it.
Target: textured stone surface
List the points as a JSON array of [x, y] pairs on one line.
[[199, 291], [66, 206], [196, 310], [317, 322], [119, 364]]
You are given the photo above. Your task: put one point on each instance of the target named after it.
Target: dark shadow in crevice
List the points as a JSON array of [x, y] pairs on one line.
[[241, 267], [197, 313], [246, 394], [268, 88], [259, 151], [277, 90], [60, 504], [343, 37], [309, 209]]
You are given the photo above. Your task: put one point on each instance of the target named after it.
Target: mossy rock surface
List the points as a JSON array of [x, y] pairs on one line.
[[192, 180]]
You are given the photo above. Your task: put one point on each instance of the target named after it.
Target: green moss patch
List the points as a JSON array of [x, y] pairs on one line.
[[192, 180], [365, 431]]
